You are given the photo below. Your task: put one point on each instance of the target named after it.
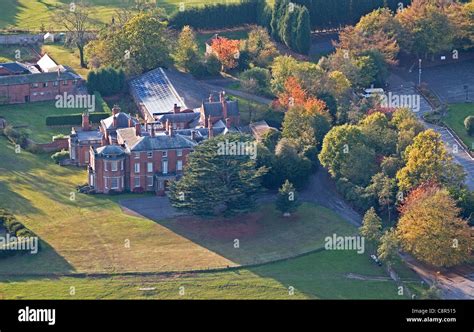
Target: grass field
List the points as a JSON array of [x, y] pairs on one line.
[[89, 233], [32, 14], [33, 116], [319, 276], [455, 120]]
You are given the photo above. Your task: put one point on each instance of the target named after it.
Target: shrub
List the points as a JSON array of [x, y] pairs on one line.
[[74, 119], [256, 80], [213, 65], [108, 81], [469, 125], [19, 137], [60, 155]]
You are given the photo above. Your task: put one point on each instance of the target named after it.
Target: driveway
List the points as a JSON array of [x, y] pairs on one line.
[[401, 86]]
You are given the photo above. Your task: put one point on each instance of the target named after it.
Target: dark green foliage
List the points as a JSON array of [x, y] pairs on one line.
[[336, 13], [19, 137], [60, 155], [221, 15], [303, 32], [256, 80], [74, 119], [108, 81], [15, 228], [469, 125], [217, 179], [287, 200]]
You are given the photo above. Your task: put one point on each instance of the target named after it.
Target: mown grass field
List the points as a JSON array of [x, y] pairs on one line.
[[33, 118], [320, 275], [455, 120], [88, 234], [32, 14]]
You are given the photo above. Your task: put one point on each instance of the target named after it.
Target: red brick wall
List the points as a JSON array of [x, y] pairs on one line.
[[16, 93]]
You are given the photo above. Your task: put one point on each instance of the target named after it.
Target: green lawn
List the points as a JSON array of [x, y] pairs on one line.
[[31, 14], [66, 56], [33, 116], [455, 120], [318, 276]]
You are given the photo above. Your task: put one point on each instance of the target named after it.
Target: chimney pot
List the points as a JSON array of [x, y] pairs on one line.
[[176, 108], [115, 109], [85, 121]]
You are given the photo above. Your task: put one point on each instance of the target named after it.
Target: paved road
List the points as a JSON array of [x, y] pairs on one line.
[[399, 85]]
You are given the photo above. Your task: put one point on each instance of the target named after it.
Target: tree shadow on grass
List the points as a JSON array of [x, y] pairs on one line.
[[10, 10], [14, 202], [46, 261]]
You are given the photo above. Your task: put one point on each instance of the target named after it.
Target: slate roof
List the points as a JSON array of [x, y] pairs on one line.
[[214, 109], [179, 117], [38, 78], [89, 135], [15, 68], [110, 152], [122, 121], [160, 141]]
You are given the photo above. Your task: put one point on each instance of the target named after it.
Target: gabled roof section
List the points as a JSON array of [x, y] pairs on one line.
[[214, 108], [15, 68], [48, 65], [122, 121], [155, 91], [38, 78]]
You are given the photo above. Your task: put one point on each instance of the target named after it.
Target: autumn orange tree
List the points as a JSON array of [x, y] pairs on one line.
[[227, 51], [430, 227], [294, 95]]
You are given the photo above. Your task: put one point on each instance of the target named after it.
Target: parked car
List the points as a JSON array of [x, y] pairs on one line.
[[376, 260], [373, 92]]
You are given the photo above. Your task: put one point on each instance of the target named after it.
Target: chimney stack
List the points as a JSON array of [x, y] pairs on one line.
[[176, 109], [114, 121], [193, 135], [138, 129], [85, 121], [211, 130], [152, 130], [130, 122], [115, 109]]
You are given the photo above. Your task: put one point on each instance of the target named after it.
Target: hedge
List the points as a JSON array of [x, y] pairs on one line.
[[218, 16], [74, 119], [15, 228]]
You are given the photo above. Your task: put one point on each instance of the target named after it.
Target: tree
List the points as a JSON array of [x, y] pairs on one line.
[[371, 228], [270, 139], [256, 80], [287, 200], [218, 177], [303, 31], [261, 48], [75, 18], [469, 125], [142, 44], [427, 28], [427, 160], [388, 248], [308, 129], [227, 51], [379, 135], [430, 228], [384, 190], [345, 154], [186, 54], [291, 163]]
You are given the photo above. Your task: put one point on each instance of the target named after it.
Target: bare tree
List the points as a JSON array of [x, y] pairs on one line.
[[74, 17]]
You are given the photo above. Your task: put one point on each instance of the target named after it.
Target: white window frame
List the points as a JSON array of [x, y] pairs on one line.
[[136, 155], [148, 182], [112, 183], [179, 165], [135, 179], [165, 153], [149, 154], [114, 166], [136, 167], [179, 153], [149, 167], [164, 169]]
